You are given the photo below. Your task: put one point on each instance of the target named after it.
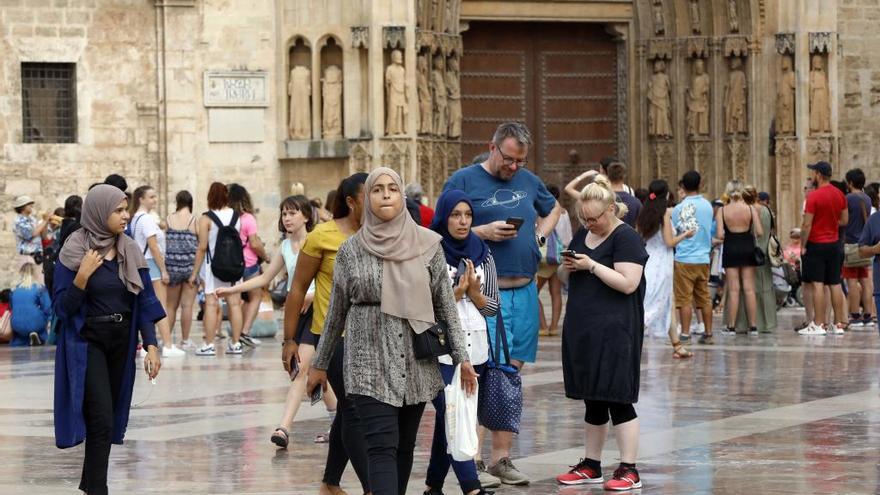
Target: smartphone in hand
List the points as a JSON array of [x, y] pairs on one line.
[[317, 394], [517, 222], [569, 253], [294, 368]]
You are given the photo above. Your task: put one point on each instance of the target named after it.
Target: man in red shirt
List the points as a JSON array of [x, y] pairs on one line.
[[822, 254], [415, 192]]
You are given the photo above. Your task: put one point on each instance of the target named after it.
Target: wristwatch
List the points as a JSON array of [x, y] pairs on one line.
[[541, 240]]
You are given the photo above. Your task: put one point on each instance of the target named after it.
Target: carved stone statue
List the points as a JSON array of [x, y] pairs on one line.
[[453, 89], [659, 124], [438, 15], [820, 111], [696, 21], [426, 122], [395, 96], [732, 16], [735, 99], [657, 11], [300, 90], [438, 81], [423, 14], [698, 101], [331, 94], [785, 98]]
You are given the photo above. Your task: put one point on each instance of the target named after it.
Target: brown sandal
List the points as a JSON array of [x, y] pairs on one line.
[[679, 351]]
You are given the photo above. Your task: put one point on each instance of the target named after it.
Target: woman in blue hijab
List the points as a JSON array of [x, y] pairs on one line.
[[472, 273]]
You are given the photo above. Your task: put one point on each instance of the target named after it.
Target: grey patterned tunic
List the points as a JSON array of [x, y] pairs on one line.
[[379, 360]]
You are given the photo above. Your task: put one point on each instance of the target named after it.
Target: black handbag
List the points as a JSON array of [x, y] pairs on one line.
[[760, 257], [433, 342]]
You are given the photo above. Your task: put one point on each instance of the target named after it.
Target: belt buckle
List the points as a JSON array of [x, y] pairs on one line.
[[117, 317]]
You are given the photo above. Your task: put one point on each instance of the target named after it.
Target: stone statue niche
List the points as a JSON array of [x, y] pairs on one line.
[[657, 16], [438, 15], [696, 18], [732, 16], [396, 106], [820, 100], [453, 89], [659, 106], [441, 105], [785, 98], [331, 93], [736, 99], [697, 100], [331, 90], [426, 101], [299, 92]]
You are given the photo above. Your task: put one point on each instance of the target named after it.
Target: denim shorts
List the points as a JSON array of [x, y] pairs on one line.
[[251, 272], [155, 273]]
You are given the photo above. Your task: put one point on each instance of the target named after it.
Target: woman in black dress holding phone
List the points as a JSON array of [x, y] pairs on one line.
[[602, 333]]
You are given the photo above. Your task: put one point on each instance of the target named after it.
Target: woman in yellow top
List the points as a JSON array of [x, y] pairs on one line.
[[316, 261]]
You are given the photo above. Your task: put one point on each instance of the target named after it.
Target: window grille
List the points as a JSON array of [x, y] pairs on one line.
[[48, 102]]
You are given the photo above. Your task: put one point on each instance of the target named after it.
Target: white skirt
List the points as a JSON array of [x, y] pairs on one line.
[[211, 282]]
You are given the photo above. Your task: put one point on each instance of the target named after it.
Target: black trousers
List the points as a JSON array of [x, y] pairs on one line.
[[391, 438], [346, 433], [108, 348]]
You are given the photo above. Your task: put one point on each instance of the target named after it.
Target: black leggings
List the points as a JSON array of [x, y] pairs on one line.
[[346, 433], [597, 412], [391, 439], [105, 366]]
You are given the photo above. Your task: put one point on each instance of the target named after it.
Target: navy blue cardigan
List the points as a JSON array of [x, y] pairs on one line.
[[71, 355]]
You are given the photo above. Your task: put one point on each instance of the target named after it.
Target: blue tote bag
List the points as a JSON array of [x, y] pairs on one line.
[[501, 398]]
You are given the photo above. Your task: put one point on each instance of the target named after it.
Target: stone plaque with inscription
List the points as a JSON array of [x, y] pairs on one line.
[[236, 89]]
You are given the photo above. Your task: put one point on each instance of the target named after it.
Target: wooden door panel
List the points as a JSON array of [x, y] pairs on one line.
[[558, 78]]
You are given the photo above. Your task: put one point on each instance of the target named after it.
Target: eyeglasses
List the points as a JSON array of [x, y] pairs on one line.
[[593, 220], [510, 161]]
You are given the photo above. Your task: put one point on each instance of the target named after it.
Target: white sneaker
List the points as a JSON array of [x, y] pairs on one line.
[[700, 329], [812, 329], [837, 330], [172, 351], [187, 344], [233, 348], [206, 350]]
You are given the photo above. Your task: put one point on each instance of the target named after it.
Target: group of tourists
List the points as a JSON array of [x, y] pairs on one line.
[[388, 304]]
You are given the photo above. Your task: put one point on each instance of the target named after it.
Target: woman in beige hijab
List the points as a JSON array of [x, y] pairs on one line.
[[390, 283]]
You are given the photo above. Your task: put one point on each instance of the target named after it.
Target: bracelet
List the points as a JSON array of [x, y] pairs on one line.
[[593, 268]]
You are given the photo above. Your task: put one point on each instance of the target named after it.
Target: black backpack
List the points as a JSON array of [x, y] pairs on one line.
[[227, 260]]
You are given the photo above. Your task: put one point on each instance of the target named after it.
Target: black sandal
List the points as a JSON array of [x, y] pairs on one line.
[[281, 438]]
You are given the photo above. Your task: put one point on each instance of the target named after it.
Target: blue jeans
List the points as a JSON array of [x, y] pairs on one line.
[[438, 467]]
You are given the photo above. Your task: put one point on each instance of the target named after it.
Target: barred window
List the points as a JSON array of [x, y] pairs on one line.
[[48, 102]]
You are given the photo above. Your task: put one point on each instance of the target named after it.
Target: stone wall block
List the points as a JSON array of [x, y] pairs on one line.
[[18, 187], [76, 16], [49, 16]]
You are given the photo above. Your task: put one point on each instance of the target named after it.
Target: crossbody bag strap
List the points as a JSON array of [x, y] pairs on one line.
[[134, 232]]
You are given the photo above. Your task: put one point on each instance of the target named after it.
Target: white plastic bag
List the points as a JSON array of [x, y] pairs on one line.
[[461, 420]]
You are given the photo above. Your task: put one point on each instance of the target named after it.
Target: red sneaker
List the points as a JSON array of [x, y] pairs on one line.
[[624, 479], [580, 475]]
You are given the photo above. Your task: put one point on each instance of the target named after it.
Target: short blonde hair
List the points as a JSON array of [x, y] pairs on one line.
[[297, 188], [27, 275], [734, 190], [600, 190]]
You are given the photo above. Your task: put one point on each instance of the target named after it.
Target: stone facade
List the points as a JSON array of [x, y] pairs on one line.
[[178, 93]]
